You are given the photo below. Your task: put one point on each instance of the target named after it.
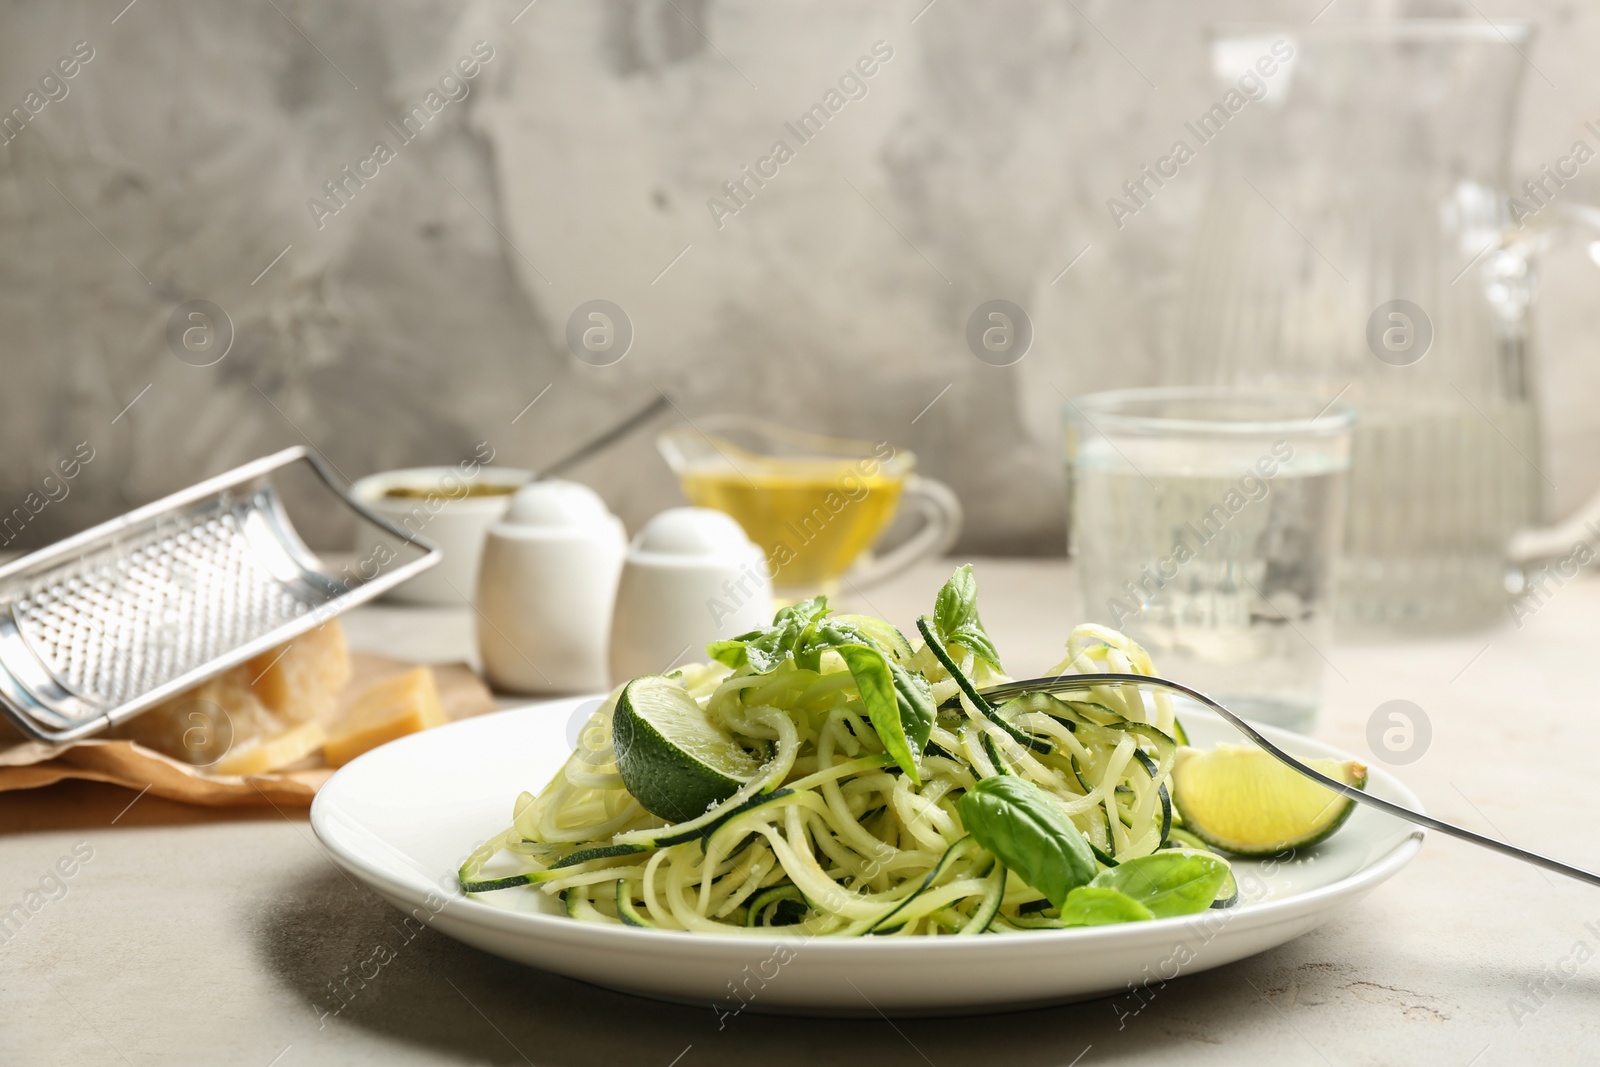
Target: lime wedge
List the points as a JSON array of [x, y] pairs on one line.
[[1240, 799], [674, 760]]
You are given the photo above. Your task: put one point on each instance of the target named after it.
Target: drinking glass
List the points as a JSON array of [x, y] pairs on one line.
[[815, 504], [1205, 524]]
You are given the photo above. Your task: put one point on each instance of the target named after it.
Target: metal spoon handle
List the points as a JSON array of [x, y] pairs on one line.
[[604, 440], [1069, 683]]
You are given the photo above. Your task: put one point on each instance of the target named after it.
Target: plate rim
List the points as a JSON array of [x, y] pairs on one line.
[[562, 930]]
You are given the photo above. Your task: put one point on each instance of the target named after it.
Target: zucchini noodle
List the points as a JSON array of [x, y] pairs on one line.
[[833, 836]]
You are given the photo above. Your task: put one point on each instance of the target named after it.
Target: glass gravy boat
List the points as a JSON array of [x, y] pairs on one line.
[[816, 505]]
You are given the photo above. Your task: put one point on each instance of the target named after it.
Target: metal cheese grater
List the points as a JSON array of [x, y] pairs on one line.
[[108, 623]]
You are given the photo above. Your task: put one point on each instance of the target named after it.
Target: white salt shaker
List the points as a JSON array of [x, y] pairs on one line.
[[546, 586], [691, 577]]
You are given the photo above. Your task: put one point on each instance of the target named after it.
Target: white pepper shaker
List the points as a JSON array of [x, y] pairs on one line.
[[692, 576], [546, 586]]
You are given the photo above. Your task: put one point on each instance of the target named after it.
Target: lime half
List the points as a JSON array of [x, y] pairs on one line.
[[1241, 799], [673, 758]]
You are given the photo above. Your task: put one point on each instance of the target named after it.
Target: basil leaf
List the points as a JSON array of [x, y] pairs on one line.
[[875, 682], [794, 631], [794, 620], [1171, 883], [957, 601], [1092, 905], [764, 654], [973, 638], [882, 633], [955, 613], [729, 652], [1027, 831], [733, 651], [763, 650], [828, 634], [831, 632], [917, 710]]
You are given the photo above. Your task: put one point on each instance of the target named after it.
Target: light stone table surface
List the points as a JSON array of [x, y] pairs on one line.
[[199, 938]]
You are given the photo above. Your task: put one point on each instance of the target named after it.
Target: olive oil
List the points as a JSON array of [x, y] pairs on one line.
[[812, 516]]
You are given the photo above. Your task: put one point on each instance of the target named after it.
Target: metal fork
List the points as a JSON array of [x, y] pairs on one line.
[[1073, 683]]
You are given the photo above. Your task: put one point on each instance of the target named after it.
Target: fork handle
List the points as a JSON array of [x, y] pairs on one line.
[[1067, 683]]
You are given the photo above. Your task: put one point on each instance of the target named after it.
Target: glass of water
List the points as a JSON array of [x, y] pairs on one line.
[[1205, 524]]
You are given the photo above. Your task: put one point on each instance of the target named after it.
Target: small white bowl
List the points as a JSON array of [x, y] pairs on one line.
[[454, 521]]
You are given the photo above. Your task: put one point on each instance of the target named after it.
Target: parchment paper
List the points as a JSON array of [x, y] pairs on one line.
[[31, 764]]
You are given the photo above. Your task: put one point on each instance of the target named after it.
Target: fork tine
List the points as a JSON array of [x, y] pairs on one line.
[[1071, 683]]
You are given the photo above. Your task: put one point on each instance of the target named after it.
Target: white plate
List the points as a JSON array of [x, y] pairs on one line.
[[403, 817]]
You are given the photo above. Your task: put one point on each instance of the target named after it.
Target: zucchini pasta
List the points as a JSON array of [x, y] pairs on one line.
[[828, 776]]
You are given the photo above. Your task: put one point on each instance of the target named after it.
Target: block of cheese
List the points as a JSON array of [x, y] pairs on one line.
[[391, 708], [259, 699], [270, 753], [204, 723], [300, 681]]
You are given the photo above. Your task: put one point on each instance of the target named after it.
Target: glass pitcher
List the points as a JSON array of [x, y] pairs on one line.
[[814, 504], [1361, 240]]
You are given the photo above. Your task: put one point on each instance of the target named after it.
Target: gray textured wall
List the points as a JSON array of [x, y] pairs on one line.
[[427, 313]]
